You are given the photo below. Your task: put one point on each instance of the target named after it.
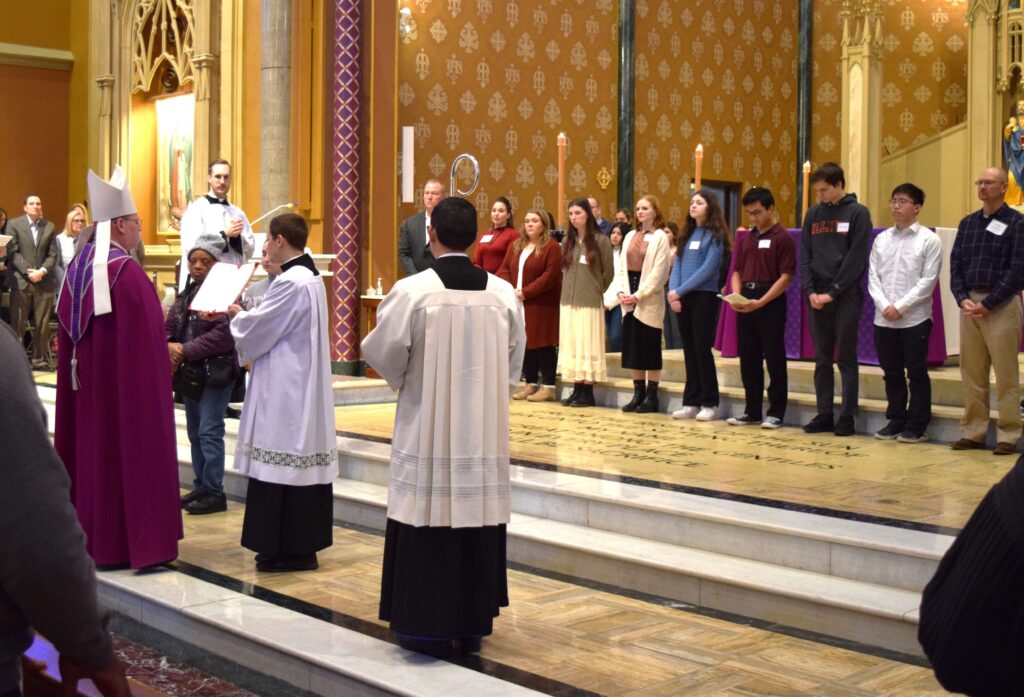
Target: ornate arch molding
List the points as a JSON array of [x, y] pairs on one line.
[[136, 39]]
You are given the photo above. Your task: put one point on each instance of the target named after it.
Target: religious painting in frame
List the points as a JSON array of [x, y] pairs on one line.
[[175, 124]]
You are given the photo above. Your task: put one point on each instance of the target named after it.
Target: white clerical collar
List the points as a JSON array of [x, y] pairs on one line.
[[454, 254], [292, 259]]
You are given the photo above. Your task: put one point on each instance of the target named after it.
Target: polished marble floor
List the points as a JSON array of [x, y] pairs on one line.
[[565, 638], [926, 484]]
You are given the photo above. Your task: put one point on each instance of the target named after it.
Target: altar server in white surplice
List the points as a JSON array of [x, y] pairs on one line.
[[451, 340], [286, 437]]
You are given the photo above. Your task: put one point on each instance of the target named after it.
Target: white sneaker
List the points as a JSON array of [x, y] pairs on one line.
[[707, 414], [685, 413], [771, 422]]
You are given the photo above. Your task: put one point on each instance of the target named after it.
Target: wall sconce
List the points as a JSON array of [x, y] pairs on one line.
[[404, 22]]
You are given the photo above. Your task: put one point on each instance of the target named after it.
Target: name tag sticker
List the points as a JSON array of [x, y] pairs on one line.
[[695, 244], [486, 239], [842, 227], [996, 227], [583, 258], [764, 244]]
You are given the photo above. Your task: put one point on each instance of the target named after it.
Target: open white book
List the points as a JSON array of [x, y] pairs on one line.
[[4, 239], [222, 286], [735, 299]]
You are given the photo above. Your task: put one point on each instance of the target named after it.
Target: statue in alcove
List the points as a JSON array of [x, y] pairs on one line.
[[1013, 151]]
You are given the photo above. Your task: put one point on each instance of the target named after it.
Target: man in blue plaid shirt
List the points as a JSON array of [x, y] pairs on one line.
[[986, 269]]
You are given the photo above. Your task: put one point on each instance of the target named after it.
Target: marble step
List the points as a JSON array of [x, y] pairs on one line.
[[946, 388], [801, 407], [869, 613], [851, 549], [307, 653]]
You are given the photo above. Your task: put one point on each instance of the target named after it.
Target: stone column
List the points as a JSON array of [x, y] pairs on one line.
[[275, 104], [984, 122], [627, 88], [805, 71], [345, 165], [861, 132], [204, 137]]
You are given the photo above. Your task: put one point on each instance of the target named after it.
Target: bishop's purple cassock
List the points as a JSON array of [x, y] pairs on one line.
[[115, 420]]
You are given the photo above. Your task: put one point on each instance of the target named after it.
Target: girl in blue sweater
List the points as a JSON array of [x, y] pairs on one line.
[[693, 295]]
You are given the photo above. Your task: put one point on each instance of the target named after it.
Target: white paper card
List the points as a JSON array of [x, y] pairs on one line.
[[4, 239], [764, 244], [695, 244], [842, 227], [222, 286], [583, 258], [996, 227], [735, 299], [486, 239]]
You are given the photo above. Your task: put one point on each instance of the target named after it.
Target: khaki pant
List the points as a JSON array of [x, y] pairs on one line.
[[39, 303], [992, 342]]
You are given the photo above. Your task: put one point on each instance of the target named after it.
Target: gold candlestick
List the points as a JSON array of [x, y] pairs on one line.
[[807, 179], [699, 155]]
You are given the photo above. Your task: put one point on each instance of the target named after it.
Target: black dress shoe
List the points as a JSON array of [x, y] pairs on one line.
[[585, 398], [571, 399], [650, 404], [438, 648], [190, 497], [207, 503], [470, 644], [288, 562]]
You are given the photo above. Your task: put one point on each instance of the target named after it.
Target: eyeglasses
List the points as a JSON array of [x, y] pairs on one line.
[[986, 182], [900, 202]]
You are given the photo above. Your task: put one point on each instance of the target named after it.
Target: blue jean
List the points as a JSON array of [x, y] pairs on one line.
[[613, 329], [205, 422]]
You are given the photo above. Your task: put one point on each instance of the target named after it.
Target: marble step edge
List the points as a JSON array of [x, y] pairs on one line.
[[624, 387], [303, 651], [638, 553], [923, 545]]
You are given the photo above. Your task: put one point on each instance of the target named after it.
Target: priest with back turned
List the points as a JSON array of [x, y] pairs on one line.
[[451, 340], [114, 427], [286, 437]]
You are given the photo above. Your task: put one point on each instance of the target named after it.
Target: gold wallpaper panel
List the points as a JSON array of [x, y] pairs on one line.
[[500, 80], [721, 73], [924, 73]]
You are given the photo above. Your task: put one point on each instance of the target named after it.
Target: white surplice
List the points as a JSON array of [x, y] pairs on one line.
[[286, 434], [453, 355]]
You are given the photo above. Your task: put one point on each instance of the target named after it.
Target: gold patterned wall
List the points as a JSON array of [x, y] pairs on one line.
[[924, 73], [723, 74], [499, 80]]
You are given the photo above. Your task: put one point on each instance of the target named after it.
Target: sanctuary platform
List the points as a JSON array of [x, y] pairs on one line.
[[648, 557]]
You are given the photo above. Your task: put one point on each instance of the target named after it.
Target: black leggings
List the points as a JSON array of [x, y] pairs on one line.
[[539, 360]]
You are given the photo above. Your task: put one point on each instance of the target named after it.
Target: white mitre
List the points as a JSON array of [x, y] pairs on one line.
[[108, 200]]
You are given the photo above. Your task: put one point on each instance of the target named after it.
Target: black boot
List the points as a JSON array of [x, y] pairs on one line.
[[650, 403], [586, 398], [639, 388], [571, 399]]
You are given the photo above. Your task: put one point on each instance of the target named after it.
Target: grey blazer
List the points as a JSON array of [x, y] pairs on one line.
[[26, 254], [413, 252]]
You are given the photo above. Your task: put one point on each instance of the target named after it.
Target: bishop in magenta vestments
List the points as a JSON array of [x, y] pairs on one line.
[[115, 418]]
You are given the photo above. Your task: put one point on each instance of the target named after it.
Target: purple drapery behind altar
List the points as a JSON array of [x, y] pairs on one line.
[[798, 333]]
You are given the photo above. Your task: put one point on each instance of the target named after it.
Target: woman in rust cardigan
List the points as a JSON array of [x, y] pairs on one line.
[[533, 265]]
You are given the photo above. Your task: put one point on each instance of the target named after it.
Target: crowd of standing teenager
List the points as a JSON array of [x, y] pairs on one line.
[[622, 284]]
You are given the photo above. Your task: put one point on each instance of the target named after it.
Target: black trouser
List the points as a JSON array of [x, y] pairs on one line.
[[761, 336], [539, 361], [903, 355], [698, 322], [835, 326]]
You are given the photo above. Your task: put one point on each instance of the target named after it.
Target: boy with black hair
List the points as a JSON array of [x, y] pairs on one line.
[[834, 254], [904, 268], [765, 264]]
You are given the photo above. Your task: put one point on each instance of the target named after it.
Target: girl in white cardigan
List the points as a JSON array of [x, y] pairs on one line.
[[640, 282]]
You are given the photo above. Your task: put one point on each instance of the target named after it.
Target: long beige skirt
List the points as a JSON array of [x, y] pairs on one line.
[[581, 343]]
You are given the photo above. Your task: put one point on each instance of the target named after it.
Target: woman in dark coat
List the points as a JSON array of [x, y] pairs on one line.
[[533, 265]]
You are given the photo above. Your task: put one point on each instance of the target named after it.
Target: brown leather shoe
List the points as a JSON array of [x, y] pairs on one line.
[[966, 444], [1004, 449]]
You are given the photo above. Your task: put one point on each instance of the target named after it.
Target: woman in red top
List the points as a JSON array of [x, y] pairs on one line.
[[492, 245], [533, 265]]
